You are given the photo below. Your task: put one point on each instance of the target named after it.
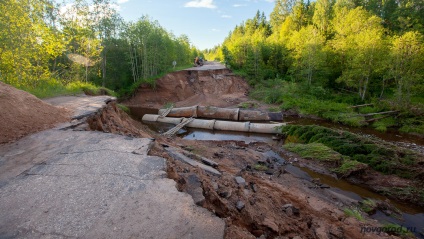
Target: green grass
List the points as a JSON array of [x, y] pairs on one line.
[[260, 167], [314, 151], [292, 139], [354, 213], [379, 155], [413, 125], [124, 108], [336, 105], [383, 124], [168, 105], [274, 109], [51, 88], [343, 166], [367, 110], [348, 167], [369, 206], [248, 105], [308, 101]]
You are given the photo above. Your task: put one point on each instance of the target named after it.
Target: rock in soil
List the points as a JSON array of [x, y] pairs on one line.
[[240, 181], [240, 205]]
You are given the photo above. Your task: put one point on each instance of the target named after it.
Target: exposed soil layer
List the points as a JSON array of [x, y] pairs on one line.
[[218, 88], [269, 204], [22, 113], [113, 120], [259, 207]]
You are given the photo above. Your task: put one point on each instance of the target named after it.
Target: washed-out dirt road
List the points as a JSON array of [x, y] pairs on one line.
[[126, 181], [70, 183]]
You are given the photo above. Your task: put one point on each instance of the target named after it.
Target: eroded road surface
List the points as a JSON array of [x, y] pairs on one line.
[[64, 183]]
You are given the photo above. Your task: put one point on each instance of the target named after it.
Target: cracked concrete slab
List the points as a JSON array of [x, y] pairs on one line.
[[81, 106], [78, 184]]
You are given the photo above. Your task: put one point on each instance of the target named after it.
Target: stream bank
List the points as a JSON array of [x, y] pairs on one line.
[[263, 190], [232, 150]]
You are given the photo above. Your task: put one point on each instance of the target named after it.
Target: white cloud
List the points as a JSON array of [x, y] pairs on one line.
[[239, 5], [200, 4], [71, 13], [226, 16], [122, 1], [216, 30]]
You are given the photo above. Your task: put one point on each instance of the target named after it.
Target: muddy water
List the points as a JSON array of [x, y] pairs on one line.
[[412, 217], [199, 134]]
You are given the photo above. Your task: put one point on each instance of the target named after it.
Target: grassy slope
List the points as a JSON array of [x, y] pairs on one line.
[[335, 106]]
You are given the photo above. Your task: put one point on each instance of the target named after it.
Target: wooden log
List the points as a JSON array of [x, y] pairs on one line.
[[375, 119], [381, 113], [201, 158], [358, 106], [173, 152]]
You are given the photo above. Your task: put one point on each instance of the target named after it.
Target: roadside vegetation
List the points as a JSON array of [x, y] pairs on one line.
[[381, 156], [322, 57], [53, 87], [49, 48]]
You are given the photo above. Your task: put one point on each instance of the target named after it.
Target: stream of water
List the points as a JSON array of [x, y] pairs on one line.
[[412, 217]]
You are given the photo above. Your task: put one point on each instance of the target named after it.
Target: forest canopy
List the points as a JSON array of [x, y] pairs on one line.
[[45, 43], [315, 57], [372, 47]]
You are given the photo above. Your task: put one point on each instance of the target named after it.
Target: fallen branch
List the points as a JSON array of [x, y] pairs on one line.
[[203, 159], [375, 119], [381, 113], [174, 153], [358, 106]]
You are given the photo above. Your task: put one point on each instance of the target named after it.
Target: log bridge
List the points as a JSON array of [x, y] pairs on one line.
[[211, 112], [219, 124]]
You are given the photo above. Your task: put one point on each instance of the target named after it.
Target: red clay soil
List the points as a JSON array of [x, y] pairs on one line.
[[264, 197], [22, 113], [113, 120], [218, 88]]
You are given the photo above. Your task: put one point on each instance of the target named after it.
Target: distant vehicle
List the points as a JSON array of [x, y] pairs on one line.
[[198, 61]]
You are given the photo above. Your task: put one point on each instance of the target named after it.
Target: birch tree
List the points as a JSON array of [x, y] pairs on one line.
[[307, 46], [359, 38], [407, 63]]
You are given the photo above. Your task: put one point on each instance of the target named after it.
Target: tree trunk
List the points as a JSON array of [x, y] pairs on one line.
[[365, 88], [104, 68]]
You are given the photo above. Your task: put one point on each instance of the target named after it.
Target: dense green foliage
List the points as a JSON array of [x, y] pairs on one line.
[[347, 44], [382, 157], [314, 100], [44, 46], [363, 51]]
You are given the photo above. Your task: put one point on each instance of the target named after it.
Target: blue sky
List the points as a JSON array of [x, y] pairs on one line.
[[205, 22]]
